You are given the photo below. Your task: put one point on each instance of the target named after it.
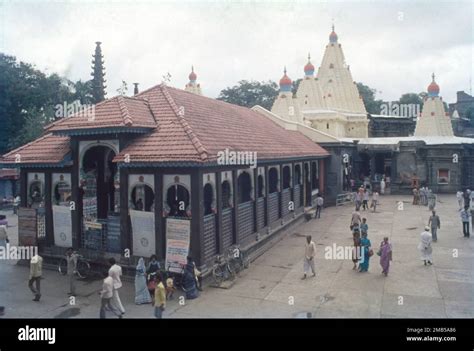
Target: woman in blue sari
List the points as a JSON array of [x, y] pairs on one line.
[[142, 294], [189, 280], [365, 246]]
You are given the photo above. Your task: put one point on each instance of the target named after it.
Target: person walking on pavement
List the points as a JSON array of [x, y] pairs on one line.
[[375, 200], [460, 198], [309, 253], [425, 246], [106, 295], [385, 253], [115, 272], [382, 186], [365, 200], [3, 236], [36, 267], [160, 297], [356, 219], [319, 206], [71, 259], [358, 200], [465, 221], [435, 224]]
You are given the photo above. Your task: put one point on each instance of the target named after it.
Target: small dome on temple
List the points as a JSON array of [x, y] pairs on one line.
[[433, 88], [285, 82], [309, 67], [192, 75], [333, 36]]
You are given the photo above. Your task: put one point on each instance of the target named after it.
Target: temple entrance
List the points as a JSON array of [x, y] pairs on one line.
[[98, 182]]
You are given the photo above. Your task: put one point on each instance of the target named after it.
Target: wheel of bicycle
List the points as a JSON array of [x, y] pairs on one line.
[[62, 266], [230, 271], [218, 275], [236, 265], [83, 269]]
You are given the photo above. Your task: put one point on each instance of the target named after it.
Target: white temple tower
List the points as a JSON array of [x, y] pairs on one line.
[[434, 120]]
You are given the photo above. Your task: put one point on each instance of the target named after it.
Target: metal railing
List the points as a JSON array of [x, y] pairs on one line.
[[344, 198]]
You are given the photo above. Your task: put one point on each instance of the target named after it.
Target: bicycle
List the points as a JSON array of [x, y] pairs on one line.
[[239, 259], [222, 270], [83, 267]]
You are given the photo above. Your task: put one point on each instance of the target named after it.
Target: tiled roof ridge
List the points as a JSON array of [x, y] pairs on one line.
[[18, 149], [46, 127], [187, 128], [127, 119]]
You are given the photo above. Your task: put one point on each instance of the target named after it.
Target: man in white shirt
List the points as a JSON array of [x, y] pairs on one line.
[[425, 246], [106, 295], [319, 206], [115, 272], [309, 253]]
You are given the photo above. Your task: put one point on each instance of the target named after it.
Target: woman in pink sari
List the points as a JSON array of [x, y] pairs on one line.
[[385, 253]]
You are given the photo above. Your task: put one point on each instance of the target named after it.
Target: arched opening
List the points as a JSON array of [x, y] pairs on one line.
[[272, 180], [177, 199], [245, 187], [297, 175], [62, 193], [314, 176], [208, 199], [98, 182], [36, 195], [142, 198], [226, 194], [286, 177], [260, 186]]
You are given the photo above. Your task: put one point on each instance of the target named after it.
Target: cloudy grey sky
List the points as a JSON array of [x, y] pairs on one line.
[[391, 46]]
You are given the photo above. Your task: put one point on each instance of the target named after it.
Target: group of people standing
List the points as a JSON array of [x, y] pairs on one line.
[[152, 287], [424, 196], [363, 251], [362, 197]]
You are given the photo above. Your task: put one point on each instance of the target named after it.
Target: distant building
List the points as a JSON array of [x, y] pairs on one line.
[[462, 125]]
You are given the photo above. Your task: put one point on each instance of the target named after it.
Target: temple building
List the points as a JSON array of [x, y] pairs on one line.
[[327, 100], [166, 172], [433, 157], [192, 86], [434, 120]]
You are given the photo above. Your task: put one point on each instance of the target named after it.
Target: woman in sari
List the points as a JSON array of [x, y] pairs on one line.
[[142, 295], [385, 252], [356, 251], [365, 248], [189, 280]]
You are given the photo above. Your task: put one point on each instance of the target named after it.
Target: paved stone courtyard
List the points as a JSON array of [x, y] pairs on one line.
[[272, 286]]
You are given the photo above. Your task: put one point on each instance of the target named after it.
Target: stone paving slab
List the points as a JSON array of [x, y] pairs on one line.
[[444, 290]]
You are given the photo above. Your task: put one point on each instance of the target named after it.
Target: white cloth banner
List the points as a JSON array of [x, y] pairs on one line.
[[143, 233], [62, 222], [178, 237]]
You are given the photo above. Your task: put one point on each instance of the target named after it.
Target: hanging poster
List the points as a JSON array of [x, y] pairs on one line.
[[62, 226], [143, 233], [178, 237]]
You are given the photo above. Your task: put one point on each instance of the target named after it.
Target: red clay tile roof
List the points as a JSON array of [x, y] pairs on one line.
[[120, 111], [193, 128], [48, 149]]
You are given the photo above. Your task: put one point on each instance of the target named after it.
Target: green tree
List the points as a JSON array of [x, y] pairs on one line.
[[295, 86], [368, 96], [250, 93], [28, 98]]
